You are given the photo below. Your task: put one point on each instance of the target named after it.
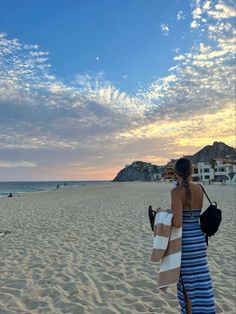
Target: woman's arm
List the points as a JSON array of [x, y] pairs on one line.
[[177, 207]]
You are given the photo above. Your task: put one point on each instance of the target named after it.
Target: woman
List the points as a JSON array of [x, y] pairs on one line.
[[195, 291]]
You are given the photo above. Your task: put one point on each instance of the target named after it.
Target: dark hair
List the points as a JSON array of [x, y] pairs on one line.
[[183, 168]]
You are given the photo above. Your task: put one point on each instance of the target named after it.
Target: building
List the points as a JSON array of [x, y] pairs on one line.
[[195, 174], [205, 172], [217, 171], [222, 171]]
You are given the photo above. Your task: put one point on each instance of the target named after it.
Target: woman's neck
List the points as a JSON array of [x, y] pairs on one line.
[[182, 181]]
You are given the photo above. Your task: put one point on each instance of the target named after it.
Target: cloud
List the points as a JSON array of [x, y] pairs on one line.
[[222, 11], [194, 24], [203, 79], [205, 10], [67, 126], [165, 29], [180, 16], [12, 164], [39, 54], [197, 13], [39, 111]]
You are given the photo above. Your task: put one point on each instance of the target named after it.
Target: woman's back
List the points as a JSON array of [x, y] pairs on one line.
[[196, 195]]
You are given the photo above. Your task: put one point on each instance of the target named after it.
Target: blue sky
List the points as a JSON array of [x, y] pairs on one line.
[[87, 87], [123, 39]]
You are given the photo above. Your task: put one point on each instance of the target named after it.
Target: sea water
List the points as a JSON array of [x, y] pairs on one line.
[[36, 186]]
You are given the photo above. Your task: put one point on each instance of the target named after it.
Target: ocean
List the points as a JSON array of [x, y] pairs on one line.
[[36, 186]]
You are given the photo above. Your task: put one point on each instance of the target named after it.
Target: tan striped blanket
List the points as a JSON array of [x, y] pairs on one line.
[[167, 248]]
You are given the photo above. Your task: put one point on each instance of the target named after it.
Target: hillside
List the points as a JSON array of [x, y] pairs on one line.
[[143, 171], [139, 171], [217, 150]]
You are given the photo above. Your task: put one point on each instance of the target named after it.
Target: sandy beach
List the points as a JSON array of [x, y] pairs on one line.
[[87, 250]]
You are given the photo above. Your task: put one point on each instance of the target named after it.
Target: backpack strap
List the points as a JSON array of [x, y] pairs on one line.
[[206, 238], [205, 193]]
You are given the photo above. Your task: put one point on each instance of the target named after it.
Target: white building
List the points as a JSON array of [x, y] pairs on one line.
[[205, 172], [218, 172]]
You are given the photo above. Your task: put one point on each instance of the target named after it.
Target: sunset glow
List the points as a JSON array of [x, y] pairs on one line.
[[152, 85]]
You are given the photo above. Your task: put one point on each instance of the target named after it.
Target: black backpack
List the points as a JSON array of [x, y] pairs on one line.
[[210, 219]]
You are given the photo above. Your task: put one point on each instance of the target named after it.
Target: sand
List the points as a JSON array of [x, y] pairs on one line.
[[87, 250]]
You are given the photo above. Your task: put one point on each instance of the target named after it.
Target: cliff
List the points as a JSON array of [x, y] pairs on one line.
[[139, 171]]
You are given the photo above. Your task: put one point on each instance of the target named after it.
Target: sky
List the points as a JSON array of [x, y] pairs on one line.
[[87, 87]]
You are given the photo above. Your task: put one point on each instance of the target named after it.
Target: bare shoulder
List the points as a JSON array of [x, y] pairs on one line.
[[177, 190], [196, 186], [195, 183]]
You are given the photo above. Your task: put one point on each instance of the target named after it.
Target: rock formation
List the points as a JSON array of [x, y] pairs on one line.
[[217, 150], [139, 171]]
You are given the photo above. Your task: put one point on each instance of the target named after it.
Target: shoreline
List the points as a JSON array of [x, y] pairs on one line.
[[89, 183], [40, 187]]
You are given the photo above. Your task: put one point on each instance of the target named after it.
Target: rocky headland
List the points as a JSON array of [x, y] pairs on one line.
[[139, 171]]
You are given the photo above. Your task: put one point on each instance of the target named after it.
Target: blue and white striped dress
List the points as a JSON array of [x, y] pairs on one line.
[[195, 277]]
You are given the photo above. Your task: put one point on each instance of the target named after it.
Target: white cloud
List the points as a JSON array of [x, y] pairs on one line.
[[17, 164], [194, 24], [197, 13], [222, 11], [39, 111], [38, 53], [180, 16], [179, 57], [165, 29], [206, 6], [204, 77], [91, 106]]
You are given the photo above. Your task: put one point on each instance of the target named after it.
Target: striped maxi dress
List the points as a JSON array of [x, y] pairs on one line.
[[194, 273]]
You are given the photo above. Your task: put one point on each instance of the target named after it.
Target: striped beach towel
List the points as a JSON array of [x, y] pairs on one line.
[[167, 249]]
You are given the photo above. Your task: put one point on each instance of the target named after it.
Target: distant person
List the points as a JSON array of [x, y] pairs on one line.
[[195, 292], [58, 186], [10, 195]]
